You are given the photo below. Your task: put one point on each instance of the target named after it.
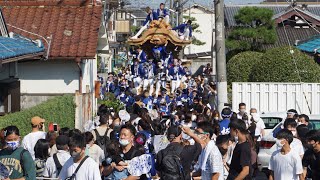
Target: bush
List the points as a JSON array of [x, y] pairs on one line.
[[112, 102], [278, 65], [59, 110], [239, 67]]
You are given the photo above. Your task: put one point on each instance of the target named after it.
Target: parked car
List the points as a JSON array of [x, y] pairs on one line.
[[271, 120], [268, 146]]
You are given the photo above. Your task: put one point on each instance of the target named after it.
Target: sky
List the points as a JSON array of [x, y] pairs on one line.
[[208, 3]]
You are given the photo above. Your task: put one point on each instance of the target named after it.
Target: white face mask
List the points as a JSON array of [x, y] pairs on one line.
[[294, 133], [278, 143], [193, 117], [124, 142], [242, 111], [299, 123]]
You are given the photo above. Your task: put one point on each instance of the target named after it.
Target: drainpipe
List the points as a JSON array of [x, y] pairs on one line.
[[78, 61]]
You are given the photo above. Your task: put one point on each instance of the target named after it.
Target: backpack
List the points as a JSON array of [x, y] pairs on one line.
[[102, 141], [171, 167], [40, 166]]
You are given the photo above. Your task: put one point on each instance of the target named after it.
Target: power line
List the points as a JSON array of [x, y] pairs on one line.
[[290, 47], [292, 52]]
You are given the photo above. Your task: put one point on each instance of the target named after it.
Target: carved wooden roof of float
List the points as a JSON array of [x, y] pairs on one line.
[[158, 33]]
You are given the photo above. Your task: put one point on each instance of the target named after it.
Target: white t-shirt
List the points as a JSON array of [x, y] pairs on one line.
[[286, 167], [259, 126], [96, 153], [89, 170], [297, 146], [30, 140], [214, 164], [51, 169]]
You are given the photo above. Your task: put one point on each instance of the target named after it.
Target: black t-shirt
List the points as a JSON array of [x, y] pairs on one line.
[[241, 157], [311, 161], [132, 153], [136, 108], [189, 154]]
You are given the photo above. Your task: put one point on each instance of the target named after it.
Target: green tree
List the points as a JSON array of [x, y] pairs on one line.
[[240, 66], [195, 27], [255, 29], [285, 64]]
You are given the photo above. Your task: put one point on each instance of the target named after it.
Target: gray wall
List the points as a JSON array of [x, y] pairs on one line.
[[28, 101]]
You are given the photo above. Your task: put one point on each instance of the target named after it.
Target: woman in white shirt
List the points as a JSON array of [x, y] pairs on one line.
[[93, 150]]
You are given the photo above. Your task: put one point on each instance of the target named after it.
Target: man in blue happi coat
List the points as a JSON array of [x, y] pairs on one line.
[[184, 30], [150, 17]]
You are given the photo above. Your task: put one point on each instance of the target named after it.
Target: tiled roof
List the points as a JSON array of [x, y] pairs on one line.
[[74, 28], [295, 35], [198, 55], [311, 46], [232, 10], [17, 46], [48, 2]]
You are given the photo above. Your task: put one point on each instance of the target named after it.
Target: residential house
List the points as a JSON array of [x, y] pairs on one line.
[[138, 16], [294, 23], [69, 31], [295, 1], [14, 48], [201, 55]]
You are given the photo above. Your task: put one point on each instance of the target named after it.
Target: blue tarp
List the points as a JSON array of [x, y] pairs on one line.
[[17, 46], [310, 46]]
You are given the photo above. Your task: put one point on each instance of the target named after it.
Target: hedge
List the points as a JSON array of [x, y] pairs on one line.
[[239, 67], [59, 110], [279, 65]]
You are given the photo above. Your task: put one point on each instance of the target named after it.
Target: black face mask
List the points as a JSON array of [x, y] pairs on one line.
[[223, 151]]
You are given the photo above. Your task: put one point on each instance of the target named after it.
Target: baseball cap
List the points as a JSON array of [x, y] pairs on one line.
[[37, 120], [62, 140]]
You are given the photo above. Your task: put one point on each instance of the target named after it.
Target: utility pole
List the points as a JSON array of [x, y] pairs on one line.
[[220, 54], [180, 12], [180, 21], [171, 14]]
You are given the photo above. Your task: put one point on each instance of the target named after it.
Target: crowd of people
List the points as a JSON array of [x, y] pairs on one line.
[[185, 145], [169, 129]]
